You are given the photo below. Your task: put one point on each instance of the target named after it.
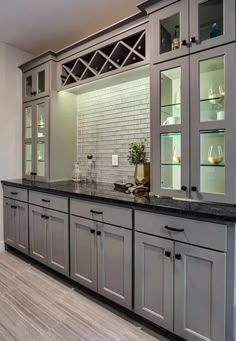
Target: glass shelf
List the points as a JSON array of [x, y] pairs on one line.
[[170, 164], [28, 160], [41, 160], [170, 105], [212, 99]]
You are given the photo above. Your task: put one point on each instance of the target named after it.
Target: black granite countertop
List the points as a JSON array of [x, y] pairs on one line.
[[105, 193]]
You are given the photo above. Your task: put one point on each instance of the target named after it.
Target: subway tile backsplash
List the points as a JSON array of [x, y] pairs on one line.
[[108, 120]]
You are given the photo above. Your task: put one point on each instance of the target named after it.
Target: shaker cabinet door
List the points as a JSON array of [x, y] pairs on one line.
[[200, 293], [83, 252], [36, 83], [57, 241], [9, 222], [22, 228], [154, 279], [115, 264], [38, 234]]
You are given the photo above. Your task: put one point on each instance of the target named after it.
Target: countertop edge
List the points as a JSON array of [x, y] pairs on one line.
[[159, 209]]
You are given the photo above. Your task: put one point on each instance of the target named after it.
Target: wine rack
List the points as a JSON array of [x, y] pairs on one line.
[[115, 56]]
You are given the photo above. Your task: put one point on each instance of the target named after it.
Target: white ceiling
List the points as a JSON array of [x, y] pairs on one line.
[[36, 26]]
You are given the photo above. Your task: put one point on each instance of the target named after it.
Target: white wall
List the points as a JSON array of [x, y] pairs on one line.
[[10, 117]]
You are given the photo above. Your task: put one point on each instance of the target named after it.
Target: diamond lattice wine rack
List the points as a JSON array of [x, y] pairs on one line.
[[125, 52]]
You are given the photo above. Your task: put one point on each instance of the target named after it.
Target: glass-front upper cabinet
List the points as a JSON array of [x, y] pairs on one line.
[[190, 26], [169, 31], [170, 128], [35, 139], [212, 23], [36, 83], [213, 120]]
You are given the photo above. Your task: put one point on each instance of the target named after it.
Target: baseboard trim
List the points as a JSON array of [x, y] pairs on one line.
[[2, 246]]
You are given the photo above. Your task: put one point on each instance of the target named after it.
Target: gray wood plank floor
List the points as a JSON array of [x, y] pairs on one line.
[[37, 306]]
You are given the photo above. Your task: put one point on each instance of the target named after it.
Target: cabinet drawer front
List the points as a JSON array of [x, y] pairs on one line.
[[106, 213], [53, 202], [15, 193], [189, 231]]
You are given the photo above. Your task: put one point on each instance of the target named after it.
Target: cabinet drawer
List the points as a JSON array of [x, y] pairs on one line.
[[15, 193], [200, 233], [53, 202], [114, 215]]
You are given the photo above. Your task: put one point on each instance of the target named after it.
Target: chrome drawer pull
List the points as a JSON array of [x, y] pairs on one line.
[[173, 229]]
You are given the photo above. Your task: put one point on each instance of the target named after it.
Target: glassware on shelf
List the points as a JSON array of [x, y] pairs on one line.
[[176, 156], [216, 97], [215, 155], [176, 39], [40, 157], [215, 32], [76, 174], [91, 175]]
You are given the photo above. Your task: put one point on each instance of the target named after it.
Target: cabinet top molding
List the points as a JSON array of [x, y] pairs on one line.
[[108, 32], [150, 6]]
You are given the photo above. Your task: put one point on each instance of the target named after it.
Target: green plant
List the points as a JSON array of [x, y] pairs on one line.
[[137, 153]]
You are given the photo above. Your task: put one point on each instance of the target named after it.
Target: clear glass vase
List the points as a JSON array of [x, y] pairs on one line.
[[76, 173]]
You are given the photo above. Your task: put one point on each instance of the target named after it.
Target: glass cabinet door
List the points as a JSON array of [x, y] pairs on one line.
[[213, 117], [41, 136], [170, 27], [212, 23], [170, 130], [36, 83], [28, 135]]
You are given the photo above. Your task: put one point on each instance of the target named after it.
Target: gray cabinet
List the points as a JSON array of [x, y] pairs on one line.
[[194, 162], [181, 287], [101, 258], [154, 279], [190, 26], [16, 224], [36, 83], [83, 252], [35, 139], [115, 264], [49, 233], [38, 234], [200, 293]]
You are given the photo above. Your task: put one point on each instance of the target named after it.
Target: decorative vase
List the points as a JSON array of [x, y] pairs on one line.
[[76, 174], [142, 174]]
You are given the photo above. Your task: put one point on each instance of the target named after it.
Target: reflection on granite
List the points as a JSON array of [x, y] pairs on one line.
[[105, 193]]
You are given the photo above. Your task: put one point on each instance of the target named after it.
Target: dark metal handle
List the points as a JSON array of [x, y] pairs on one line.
[[14, 193], [45, 200], [178, 256], [99, 233], [194, 189], [13, 206], [193, 40], [31, 92], [33, 173], [42, 216], [34, 93], [173, 229], [46, 217], [184, 188], [184, 42], [95, 212], [168, 254], [92, 231]]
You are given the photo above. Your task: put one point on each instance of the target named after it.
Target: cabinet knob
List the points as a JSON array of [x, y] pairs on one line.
[[193, 40], [92, 231], [34, 93], [178, 256], [194, 189], [42, 216], [184, 42], [168, 254], [184, 188], [99, 233], [33, 173]]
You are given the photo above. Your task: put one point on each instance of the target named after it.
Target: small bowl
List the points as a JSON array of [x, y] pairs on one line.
[[215, 160]]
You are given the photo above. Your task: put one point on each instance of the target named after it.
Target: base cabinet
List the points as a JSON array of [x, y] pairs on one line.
[[200, 291], [49, 233], [101, 259], [16, 224], [154, 279], [181, 287]]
